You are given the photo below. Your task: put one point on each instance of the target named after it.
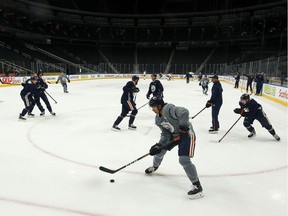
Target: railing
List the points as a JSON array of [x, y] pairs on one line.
[[274, 69]]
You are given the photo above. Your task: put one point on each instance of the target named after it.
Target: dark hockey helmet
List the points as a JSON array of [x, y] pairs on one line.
[[39, 73], [245, 97], [135, 78], [155, 101], [34, 78]]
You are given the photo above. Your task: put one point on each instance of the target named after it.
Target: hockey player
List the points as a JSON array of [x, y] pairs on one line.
[[237, 79], [251, 110], [188, 76], [144, 75], [41, 94], [250, 79], [204, 83], [155, 87], [216, 103], [259, 79], [128, 104], [175, 126], [63, 79], [26, 94]]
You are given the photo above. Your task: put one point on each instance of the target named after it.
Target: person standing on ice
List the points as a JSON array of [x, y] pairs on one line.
[[155, 87], [251, 110], [128, 104], [27, 93], [144, 75], [63, 78], [216, 103], [237, 79], [41, 94], [250, 79], [204, 83], [174, 124]]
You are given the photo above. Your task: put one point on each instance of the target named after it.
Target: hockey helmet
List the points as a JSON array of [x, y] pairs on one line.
[[245, 97], [155, 101], [135, 78], [39, 73], [34, 78]]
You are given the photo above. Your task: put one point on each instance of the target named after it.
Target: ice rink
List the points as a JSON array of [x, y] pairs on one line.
[[49, 165]]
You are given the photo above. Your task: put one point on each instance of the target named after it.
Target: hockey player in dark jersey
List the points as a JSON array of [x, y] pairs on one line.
[[174, 124], [237, 79], [29, 89], [155, 87], [41, 94], [128, 104], [216, 103], [251, 110], [259, 79], [250, 79]]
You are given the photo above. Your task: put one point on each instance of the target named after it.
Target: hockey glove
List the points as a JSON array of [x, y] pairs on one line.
[[183, 129], [135, 90], [237, 111], [68, 81], [155, 149], [56, 82], [242, 112], [208, 104]]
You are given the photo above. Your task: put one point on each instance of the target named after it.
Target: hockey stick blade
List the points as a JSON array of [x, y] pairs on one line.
[[104, 169]]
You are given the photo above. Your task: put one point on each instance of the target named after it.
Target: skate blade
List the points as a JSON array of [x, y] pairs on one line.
[[196, 196], [132, 128], [116, 130], [252, 136]]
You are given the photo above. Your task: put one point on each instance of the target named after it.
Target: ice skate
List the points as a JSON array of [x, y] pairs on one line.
[[196, 191], [252, 134], [52, 113], [22, 117], [116, 128], [151, 169], [276, 137], [31, 115], [42, 113], [213, 131], [132, 127]]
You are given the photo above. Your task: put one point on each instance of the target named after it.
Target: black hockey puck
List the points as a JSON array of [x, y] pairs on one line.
[[112, 180]]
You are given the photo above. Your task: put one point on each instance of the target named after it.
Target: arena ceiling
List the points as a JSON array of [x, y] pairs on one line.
[[151, 6]]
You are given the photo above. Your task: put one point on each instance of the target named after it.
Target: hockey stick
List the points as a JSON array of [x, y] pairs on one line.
[[50, 96], [230, 129], [104, 169], [198, 113]]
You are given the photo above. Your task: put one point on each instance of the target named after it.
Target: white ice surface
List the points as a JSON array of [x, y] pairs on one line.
[[49, 165]]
